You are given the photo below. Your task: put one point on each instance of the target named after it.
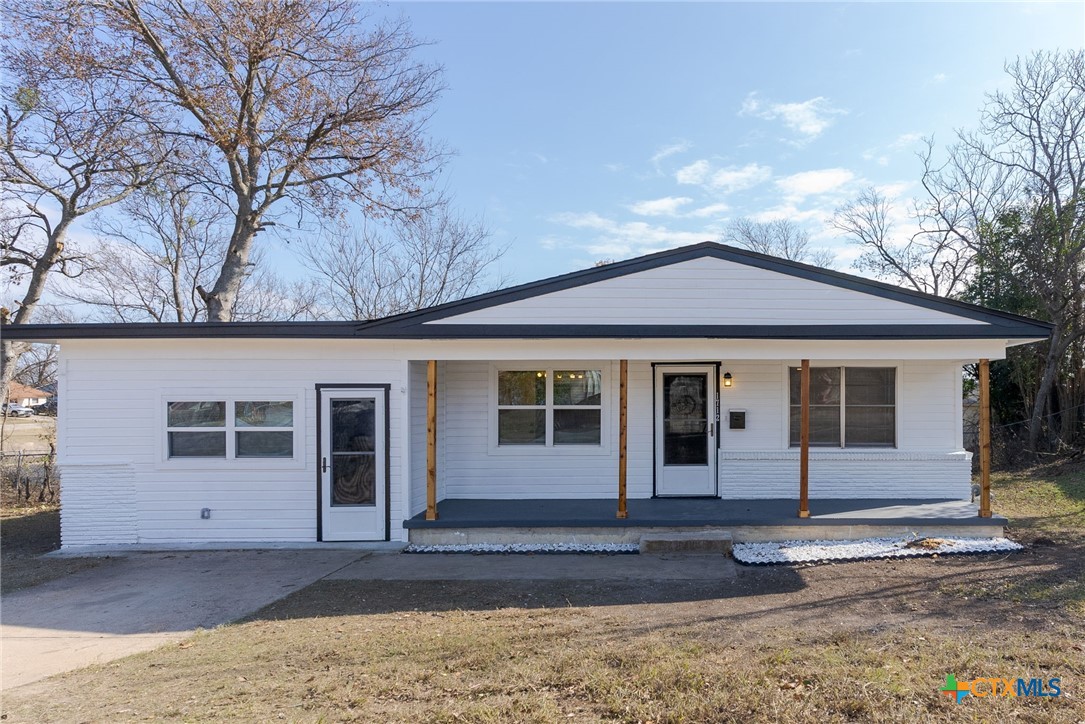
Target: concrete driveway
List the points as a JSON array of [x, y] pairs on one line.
[[140, 601]]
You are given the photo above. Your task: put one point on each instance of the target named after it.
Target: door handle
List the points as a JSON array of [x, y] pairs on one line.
[[711, 428], [324, 465]]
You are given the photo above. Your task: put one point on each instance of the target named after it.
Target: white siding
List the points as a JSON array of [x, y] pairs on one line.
[[707, 291], [268, 500], [753, 463], [469, 466], [98, 505], [928, 461], [117, 488], [847, 474]]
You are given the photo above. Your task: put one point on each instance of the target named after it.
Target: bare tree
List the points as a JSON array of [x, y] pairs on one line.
[[153, 260], [152, 257], [1033, 136], [782, 238], [418, 263], [1018, 178], [71, 147], [292, 107], [37, 367], [932, 260]]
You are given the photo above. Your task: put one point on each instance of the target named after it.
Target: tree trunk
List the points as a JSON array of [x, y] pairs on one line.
[[223, 296], [1055, 352], [11, 351]]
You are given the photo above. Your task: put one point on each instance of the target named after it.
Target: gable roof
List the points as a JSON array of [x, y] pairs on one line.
[[439, 322], [19, 391]]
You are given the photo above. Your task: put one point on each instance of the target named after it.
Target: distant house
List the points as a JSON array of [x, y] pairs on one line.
[[700, 386], [27, 396]]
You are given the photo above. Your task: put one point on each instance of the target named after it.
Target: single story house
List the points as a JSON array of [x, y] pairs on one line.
[[27, 396], [700, 386]]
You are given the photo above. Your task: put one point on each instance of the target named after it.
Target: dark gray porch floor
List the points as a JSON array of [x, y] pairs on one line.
[[696, 512]]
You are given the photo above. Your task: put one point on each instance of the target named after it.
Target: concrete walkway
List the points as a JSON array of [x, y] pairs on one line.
[[140, 601]]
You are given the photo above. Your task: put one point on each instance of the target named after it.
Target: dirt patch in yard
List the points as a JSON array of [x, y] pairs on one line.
[[846, 642], [26, 532], [857, 641]]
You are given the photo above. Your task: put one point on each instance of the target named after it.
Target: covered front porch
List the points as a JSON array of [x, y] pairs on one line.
[[471, 483], [594, 520]]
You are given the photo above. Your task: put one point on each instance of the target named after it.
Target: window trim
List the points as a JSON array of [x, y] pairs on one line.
[[231, 461], [607, 396], [898, 376]]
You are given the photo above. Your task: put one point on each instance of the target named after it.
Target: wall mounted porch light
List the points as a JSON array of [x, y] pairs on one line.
[[727, 379]]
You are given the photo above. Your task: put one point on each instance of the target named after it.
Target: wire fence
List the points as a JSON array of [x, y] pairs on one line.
[[1010, 440], [31, 477]]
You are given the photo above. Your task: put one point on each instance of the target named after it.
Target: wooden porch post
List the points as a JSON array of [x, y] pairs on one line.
[[985, 438], [804, 440], [431, 440], [623, 380]]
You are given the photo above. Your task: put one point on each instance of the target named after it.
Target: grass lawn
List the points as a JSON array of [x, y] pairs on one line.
[[848, 642]]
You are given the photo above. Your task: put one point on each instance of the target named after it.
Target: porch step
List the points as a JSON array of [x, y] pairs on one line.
[[702, 541]]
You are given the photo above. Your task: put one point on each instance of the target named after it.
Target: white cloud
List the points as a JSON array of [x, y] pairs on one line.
[[616, 240], [939, 78], [710, 210], [809, 183], [791, 212], [733, 178], [670, 149], [872, 154], [694, 173], [904, 141], [808, 118], [614, 167], [666, 206]]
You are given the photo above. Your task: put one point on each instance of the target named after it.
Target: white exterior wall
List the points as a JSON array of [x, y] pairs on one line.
[[707, 291], [929, 460], [119, 488], [753, 463]]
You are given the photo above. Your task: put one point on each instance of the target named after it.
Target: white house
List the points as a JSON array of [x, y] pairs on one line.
[[26, 395], [661, 392]]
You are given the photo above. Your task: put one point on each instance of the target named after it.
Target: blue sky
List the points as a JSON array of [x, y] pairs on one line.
[[607, 130]]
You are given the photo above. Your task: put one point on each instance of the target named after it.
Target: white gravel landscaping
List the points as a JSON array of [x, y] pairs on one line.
[[812, 551], [526, 548]]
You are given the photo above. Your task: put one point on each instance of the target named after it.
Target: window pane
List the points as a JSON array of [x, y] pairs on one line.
[[264, 414], [685, 397], [259, 444], [824, 426], [870, 426], [354, 424], [521, 427], [354, 479], [521, 388], [576, 427], [578, 387], [197, 444], [870, 386], [685, 442], [196, 414], [824, 386]]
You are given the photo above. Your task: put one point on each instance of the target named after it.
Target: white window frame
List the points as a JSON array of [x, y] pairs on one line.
[[549, 448], [231, 461], [897, 405]]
